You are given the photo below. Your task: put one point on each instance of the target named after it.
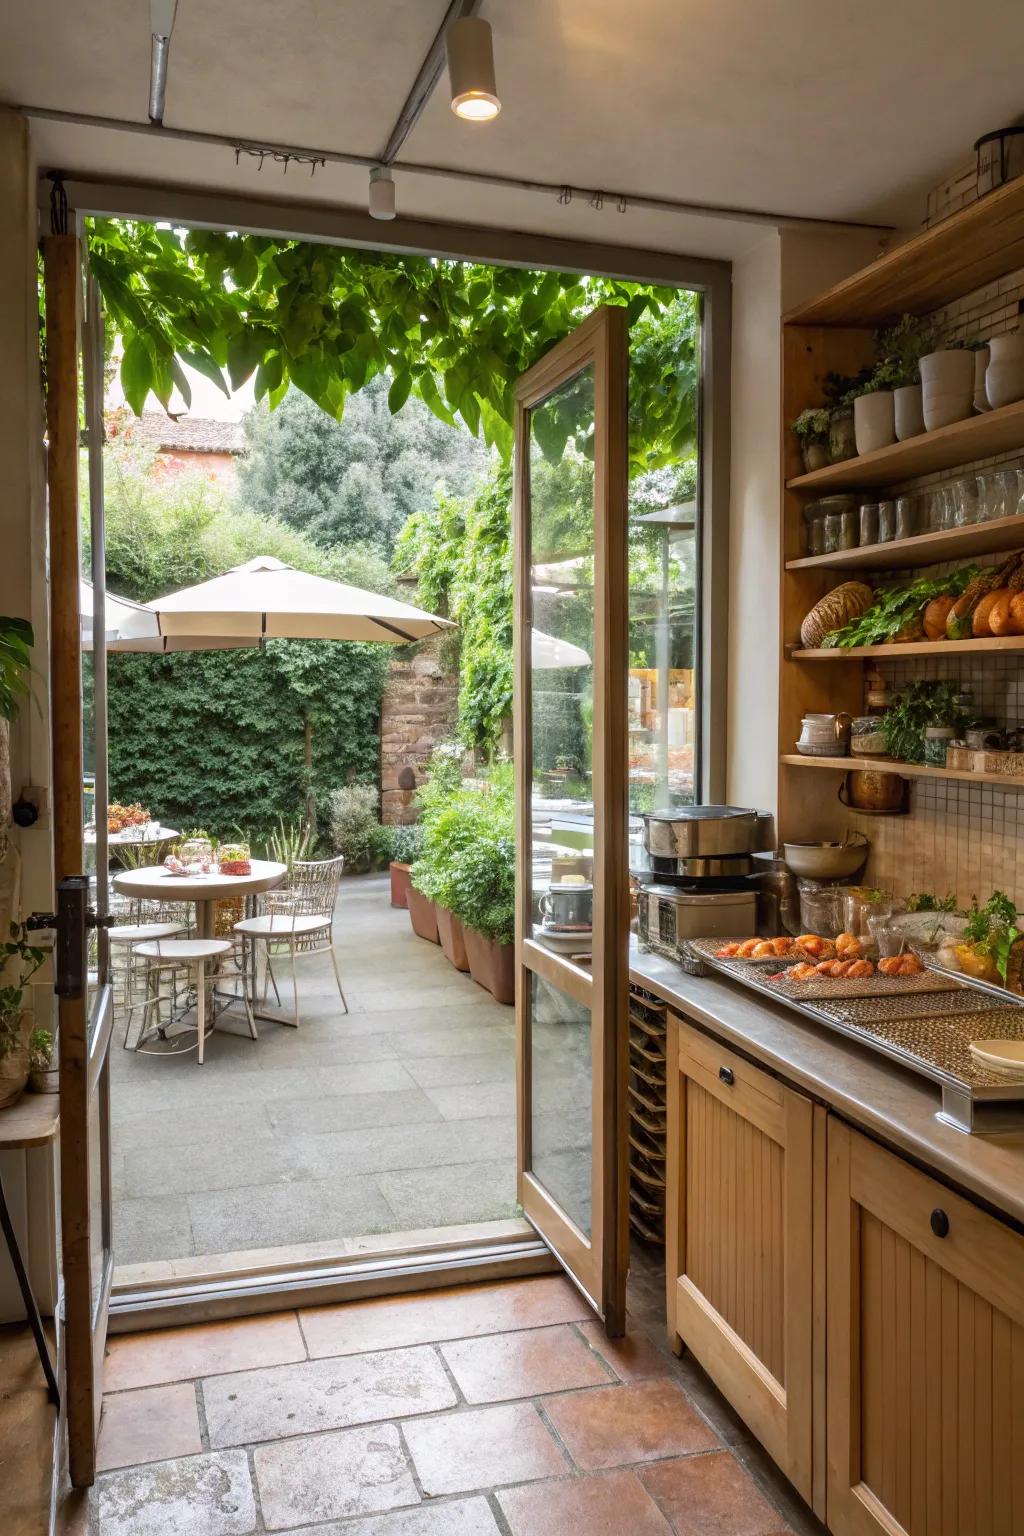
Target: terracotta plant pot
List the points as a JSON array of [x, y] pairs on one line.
[[423, 916], [874, 421], [947, 382], [14, 1061], [452, 936], [46, 1080], [1004, 379], [909, 411], [400, 881], [492, 966]]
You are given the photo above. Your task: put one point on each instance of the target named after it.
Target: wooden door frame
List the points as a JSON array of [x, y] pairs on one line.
[[599, 1265]]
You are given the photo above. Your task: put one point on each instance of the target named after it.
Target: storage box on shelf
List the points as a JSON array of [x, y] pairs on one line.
[[833, 333]]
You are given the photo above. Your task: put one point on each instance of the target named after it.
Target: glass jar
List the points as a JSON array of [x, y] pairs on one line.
[[906, 522], [814, 529], [832, 532], [196, 853], [936, 739], [886, 521], [860, 902], [842, 443], [234, 859], [867, 739], [849, 528], [869, 522], [821, 907]]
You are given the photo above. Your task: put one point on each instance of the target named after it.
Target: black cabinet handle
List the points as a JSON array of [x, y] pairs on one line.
[[726, 1074], [939, 1222]]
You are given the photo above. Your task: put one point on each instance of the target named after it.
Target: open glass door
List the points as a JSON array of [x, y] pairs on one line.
[[78, 727], [571, 764]]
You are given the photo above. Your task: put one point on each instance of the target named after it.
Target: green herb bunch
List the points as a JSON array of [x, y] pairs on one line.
[[912, 711], [994, 927], [12, 995], [897, 607], [812, 424], [925, 901]]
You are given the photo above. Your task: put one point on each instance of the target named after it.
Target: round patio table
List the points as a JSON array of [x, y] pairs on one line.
[[156, 884]]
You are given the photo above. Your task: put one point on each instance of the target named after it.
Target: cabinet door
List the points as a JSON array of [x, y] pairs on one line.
[[925, 1354], [739, 1242]]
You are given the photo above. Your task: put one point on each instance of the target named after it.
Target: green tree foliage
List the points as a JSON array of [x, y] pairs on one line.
[[218, 738], [357, 480], [329, 319]]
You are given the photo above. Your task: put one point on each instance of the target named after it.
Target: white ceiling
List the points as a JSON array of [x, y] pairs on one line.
[[837, 110]]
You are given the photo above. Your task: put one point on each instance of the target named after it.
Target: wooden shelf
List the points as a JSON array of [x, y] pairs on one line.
[[906, 770], [979, 437], [973, 246], [1003, 533], [1006, 645], [32, 1122]]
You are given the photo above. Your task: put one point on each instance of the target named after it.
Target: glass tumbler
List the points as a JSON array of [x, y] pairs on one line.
[[992, 496], [965, 493], [886, 521], [869, 522], [906, 523]]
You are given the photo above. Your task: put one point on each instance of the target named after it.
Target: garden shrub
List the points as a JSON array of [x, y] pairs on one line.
[[356, 830]]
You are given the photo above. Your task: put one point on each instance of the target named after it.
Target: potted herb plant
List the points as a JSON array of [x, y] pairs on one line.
[[407, 844], [428, 874], [483, 884], [811, 428], [43, 1073], [22, 959], [899, 350]]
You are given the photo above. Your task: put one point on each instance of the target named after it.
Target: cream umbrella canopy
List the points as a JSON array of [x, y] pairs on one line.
[[265, 599]]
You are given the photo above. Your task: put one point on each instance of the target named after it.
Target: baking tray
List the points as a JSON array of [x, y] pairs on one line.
[[766, 973], [929, 1034]]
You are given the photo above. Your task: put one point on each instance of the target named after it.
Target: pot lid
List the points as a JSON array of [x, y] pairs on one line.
[[699, 813]]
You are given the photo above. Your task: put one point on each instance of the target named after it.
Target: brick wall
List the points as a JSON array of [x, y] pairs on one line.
[[418, 713]]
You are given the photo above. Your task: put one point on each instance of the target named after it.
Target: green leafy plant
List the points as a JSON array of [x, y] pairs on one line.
[[925, 901], [328, 319], [40, 1050], [28, 957], [356, 829], [290, 843], [897, 608], [16, 641], [811, 426], [468, 859], [899, 350], [406, 844], [911, 711], [993, 928], [841, 389]]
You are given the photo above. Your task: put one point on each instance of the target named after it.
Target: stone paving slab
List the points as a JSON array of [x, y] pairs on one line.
[[212, 1494]]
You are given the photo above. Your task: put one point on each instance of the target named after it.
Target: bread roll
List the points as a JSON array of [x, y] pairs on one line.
[[935, 616], [980, 617]]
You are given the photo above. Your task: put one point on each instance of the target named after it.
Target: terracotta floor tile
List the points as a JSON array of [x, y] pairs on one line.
[[451, 1517], [525, 1364], [324, 1394], [325, 1477], [464, 1311], [605, 1505], [633, 1358], [154, 1424], [459, 1453], [711, 1496], [611, 1426], [206, 1349]]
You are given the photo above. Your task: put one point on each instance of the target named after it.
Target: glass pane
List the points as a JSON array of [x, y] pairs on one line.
[[561, 1095], [562, 648], [662, 676]]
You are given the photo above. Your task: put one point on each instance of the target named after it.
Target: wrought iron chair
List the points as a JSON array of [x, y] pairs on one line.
[[297, 919]]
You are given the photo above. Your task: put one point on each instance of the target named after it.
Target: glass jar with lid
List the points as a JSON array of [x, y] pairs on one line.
[[814, 529], [196, 853], [936, 739], [867, 739]]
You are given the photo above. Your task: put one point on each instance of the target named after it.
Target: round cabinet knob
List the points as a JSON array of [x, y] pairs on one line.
[[939, 1223], [726, 1074]]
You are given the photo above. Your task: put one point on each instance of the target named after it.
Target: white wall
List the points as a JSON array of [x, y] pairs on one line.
[[777, 272]]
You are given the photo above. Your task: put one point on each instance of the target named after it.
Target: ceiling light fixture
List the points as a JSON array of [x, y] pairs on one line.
[[382, 193], [161, 25], [470, 52]]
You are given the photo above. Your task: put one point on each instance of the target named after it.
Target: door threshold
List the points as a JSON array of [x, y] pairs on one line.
[[274, 1279]]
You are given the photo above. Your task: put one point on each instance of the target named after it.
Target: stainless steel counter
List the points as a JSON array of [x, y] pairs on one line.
[[886, 1100]]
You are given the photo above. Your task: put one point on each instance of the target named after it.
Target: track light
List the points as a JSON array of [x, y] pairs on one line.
[[471, 70], [161, 25], [382, 193]]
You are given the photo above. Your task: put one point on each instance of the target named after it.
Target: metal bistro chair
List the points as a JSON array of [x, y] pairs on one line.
[[298, 919], [199, 960]]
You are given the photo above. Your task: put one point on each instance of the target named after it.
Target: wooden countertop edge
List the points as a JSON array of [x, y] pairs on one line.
[[32, 1122], [884, 1099]]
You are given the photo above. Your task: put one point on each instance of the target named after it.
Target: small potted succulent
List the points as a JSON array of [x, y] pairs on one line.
[[43, 1073], [811, 428], [22, 959]]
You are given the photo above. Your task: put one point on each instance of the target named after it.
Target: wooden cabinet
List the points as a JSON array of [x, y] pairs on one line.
[[739, 1240], [925, 1401]]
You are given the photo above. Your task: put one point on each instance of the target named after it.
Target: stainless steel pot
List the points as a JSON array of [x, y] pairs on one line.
[[700, 832]]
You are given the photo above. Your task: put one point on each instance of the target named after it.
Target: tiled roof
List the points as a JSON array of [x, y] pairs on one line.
[[195, 434]]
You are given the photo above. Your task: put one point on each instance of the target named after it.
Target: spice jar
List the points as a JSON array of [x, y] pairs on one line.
[[936, 739], [867, 739]]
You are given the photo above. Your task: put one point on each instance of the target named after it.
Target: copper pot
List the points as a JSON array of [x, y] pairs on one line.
[[868, 789]]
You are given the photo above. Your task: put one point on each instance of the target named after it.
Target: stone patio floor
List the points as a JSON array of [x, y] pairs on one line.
[[399, 1116]]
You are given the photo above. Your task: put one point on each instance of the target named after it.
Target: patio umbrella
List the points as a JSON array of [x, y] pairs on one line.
[[548, 653], [267, 599], [118, 612]]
